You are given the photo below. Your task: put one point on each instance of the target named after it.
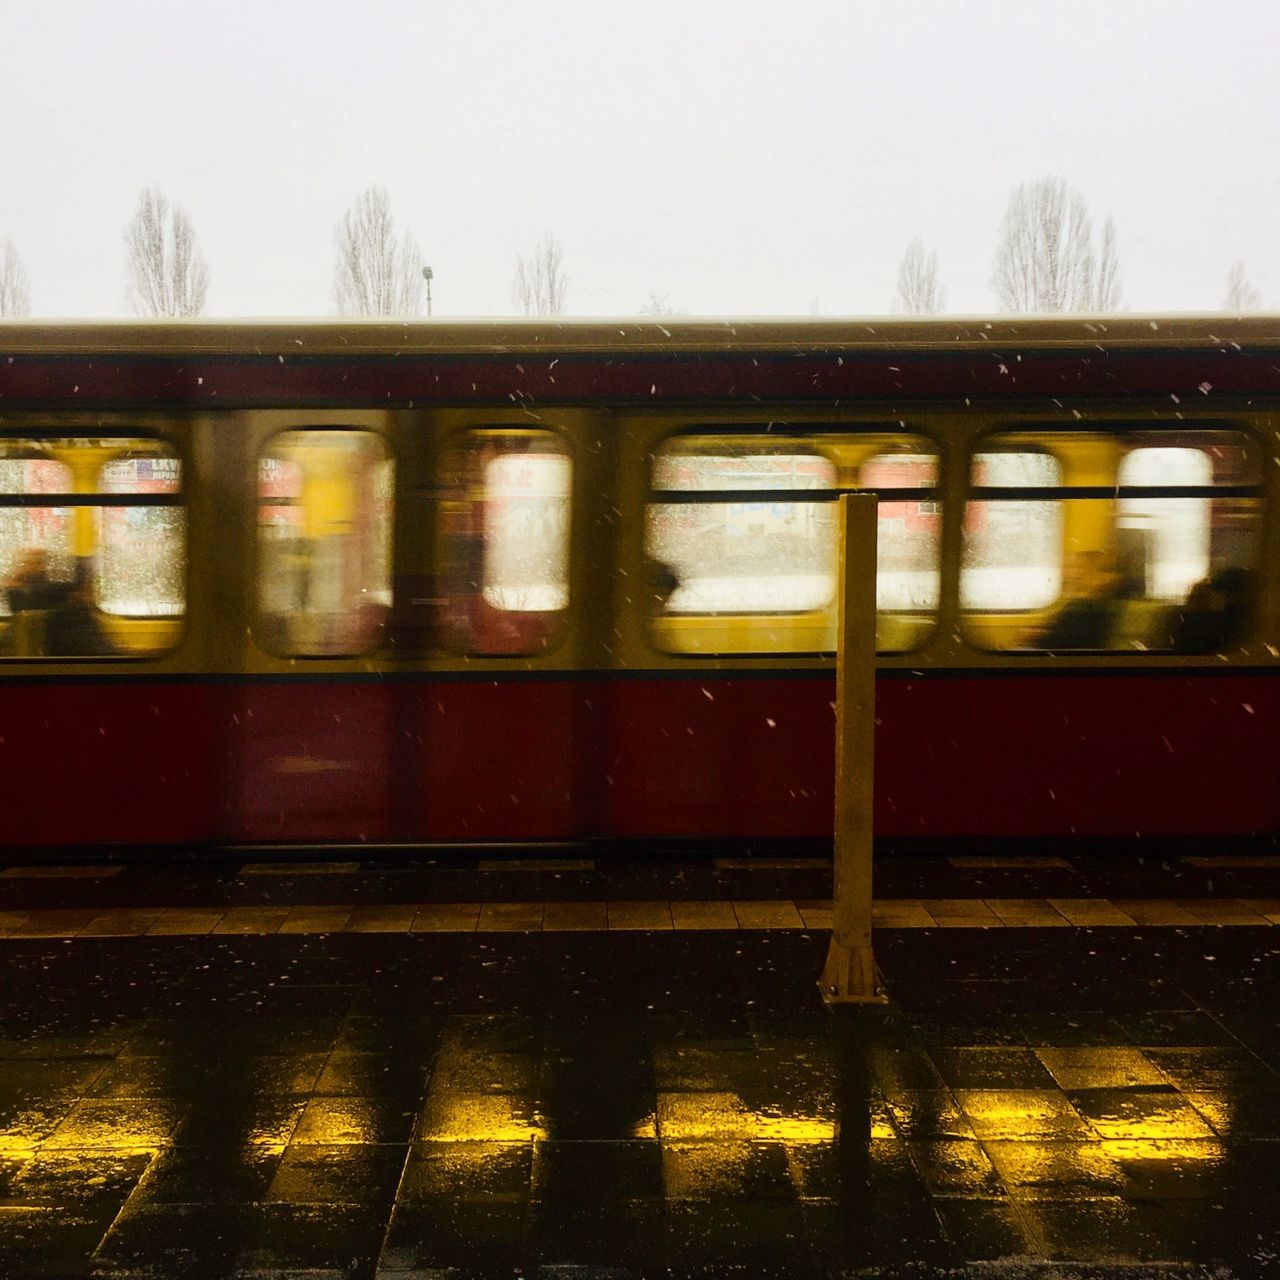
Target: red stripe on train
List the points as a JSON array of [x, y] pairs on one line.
[[1012, 756]]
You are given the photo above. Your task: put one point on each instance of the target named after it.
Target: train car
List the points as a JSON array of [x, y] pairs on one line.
[[559, 583]]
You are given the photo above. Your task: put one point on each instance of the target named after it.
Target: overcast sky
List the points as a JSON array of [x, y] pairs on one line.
[[737, 157]]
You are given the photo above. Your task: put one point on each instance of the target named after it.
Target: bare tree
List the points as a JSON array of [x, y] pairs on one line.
[[1107, 295], [15, 289], [919, 293], [376, 274], [1241, 295], [660, 304], [540, 286], [1046, 259], [167, 273]]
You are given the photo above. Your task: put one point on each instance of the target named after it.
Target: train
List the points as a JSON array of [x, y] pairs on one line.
[[552, 583]]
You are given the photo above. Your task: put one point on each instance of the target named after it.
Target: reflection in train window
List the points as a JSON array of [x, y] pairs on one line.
[[505, 523], [324, 542], [99, 568], [1155, 541], [740, 540]]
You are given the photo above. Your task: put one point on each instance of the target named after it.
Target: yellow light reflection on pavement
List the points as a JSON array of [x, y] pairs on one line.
[[478, 1117]]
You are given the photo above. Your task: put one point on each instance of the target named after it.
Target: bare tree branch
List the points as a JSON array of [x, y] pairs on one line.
[[1241, 295], [1046, 260], [15, 288], [167, 273], [540, 286], [919, 293], [376, 274]]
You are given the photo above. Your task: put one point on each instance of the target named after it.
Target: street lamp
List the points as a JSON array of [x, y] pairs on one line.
[[428, 275]]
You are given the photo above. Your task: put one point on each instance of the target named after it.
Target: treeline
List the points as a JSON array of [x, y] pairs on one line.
[[1049, 258]]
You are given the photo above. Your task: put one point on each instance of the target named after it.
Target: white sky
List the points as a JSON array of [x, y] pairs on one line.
[[739, 157]]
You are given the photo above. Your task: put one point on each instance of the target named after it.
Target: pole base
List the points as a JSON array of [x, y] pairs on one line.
[[849, 976]]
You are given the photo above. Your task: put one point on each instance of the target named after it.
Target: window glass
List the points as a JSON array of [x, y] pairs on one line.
[[741, 556], [140, 549], [741, 540], [505, 526], [1154, 536], [907, 532], [324, 542], [1012, 547], [31, 535], [100, 569]]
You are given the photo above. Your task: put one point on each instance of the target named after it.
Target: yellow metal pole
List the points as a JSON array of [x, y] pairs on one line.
[[849, 975]]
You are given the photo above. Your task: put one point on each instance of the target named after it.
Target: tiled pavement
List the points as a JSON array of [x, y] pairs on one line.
[[537, 916], [1095, 1097]]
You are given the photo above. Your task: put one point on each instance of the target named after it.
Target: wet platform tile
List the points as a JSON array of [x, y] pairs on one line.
[[726, 1234], [726, 1171], [992, 1068], [928, 1114], [341, 1239], [956, 1167], [598, 1233], [1051, 1169], [1148, 1114], [572, 1172], [231, 1174], [480, 1171], [356, 1119], [1104, 1067], [979, 1229], [348, 1173], [1114, 1231], [1021, 1113], [475, 1237], [1244, 1112]]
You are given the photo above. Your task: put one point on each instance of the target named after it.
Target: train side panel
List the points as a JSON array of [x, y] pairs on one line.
[[982, 757], [86, 761]]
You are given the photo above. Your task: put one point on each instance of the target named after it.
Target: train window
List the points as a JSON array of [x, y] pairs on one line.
[[140, 549], [92, 546], [907, 536], [1153, 539], [324, 542], [740, 540], [772, 556], [1012, 546], [505, 522]]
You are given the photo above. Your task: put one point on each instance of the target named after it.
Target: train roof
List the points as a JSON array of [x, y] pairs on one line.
[[628, 335]]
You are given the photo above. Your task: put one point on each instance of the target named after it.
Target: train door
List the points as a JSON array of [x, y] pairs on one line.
[[505, 702], [310, 707], [105, 724]]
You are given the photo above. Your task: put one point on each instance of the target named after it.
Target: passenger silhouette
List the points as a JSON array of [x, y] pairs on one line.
[[72, 628]]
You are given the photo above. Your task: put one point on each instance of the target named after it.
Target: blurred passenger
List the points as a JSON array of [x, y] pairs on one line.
[[72, 626], [29, 585], [1214, 616], [664, 582], [1099, 590]]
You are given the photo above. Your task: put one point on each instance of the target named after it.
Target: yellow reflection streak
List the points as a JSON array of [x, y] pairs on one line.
[[478, 1117]]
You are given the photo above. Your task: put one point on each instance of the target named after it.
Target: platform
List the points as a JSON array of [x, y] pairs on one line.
[[483, 1067]]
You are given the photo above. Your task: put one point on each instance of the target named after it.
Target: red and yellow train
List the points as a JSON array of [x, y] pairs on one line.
[[362, 584]]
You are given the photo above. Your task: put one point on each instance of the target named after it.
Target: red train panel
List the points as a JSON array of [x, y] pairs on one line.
[[1024, 756], [507, 760], [87, 763], [1030, 756], [311, 760]]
